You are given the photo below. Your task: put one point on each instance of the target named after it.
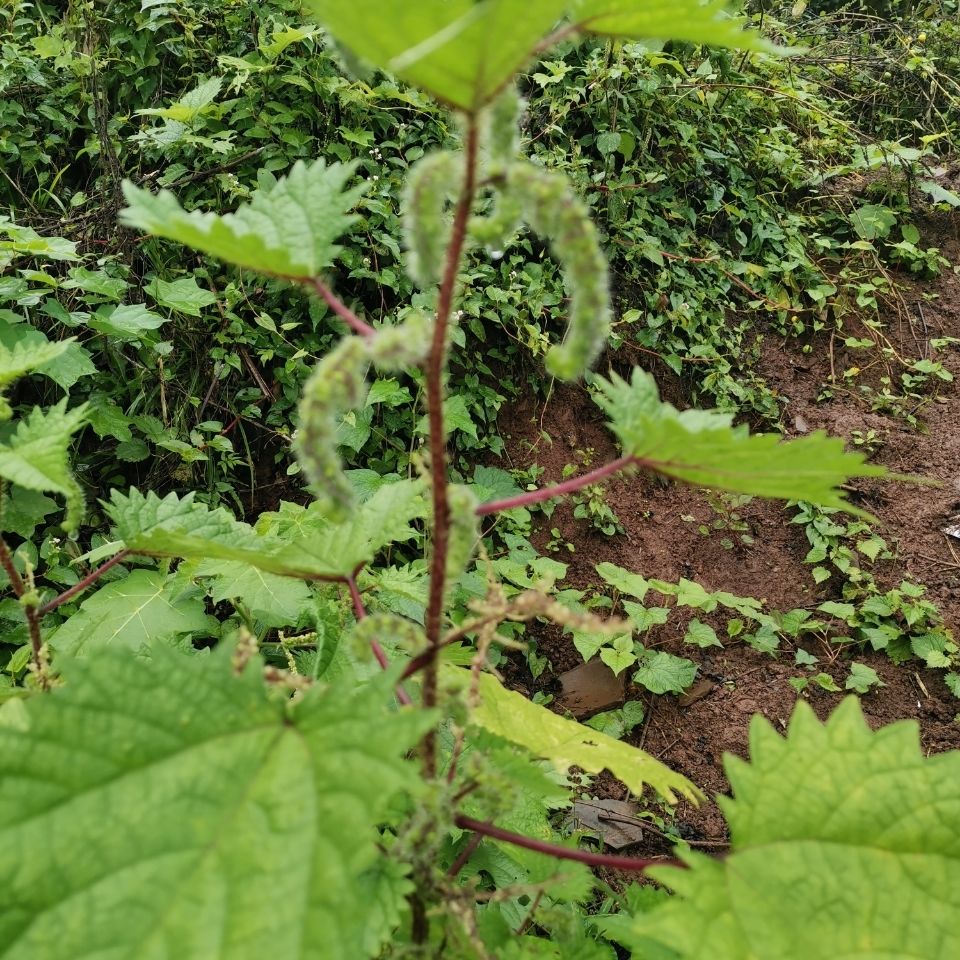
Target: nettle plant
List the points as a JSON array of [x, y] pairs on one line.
[[394, 800]]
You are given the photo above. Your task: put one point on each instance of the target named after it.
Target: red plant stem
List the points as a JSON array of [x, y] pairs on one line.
[[6, 561], [438, 451], [611, 861], [558, 489], [465, 854], [378, 652], [358, 607], [90, 579], [340, 308], [29, 611]]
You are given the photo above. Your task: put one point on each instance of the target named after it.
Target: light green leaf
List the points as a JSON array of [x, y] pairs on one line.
[[862, 678], [144, 606], [643, 618], [620, 654], [567, 743], [184, 295], [703, 448], [690, 20], [461, 51], [197, 816], [465, 51], [128, 323], [662, 672], [939, 194], [287, 229], [844, 843], [701, 635], [192, 105], [632, 584], [19, 241]]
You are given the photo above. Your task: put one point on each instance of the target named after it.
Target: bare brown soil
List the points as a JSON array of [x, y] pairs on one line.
[[692, 737]]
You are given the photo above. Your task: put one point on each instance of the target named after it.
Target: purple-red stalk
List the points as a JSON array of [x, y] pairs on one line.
[[81, 585], [438, 442], [558, 489], [378, 652], [608, 860], [357, 325]]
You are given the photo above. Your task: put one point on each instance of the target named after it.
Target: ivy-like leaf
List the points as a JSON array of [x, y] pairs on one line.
[[165, 808], [286, 230], [36, 455], [567, 743], [844, 843], [703, 448]]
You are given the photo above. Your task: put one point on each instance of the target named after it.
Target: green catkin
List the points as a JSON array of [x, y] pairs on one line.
[[335, 386], [464, 531], [393, 633], [497, 230], [431, 185], [559, 216], [503, 132], [404, 345]]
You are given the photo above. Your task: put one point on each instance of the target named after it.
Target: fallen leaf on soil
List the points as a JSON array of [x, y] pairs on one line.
[[614, 821], [590, 688]]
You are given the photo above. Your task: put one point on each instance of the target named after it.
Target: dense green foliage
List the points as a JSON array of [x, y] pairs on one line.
[[284, 731]]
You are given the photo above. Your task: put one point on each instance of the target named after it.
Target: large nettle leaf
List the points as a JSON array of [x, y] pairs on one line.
[[465, 51], [314, 548], [288, 229], [165, 808], [844, 843], [142, 607], [567, 743], [702, 447]]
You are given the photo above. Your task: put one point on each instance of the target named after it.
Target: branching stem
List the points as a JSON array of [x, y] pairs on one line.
[[88, 581], [30, 611], [608, 860], [438, 453]]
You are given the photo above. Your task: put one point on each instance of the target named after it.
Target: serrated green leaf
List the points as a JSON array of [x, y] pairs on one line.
[[144, 606], [567, 743], [26, 356], [310, 546], [690, 20], [703, 448], [274, 601], [287, 229], [830, 828], [662, 672], [36, 455], [465, 51], [196, 816]]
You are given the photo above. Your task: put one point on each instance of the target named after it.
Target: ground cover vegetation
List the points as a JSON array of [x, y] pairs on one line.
[[271, 279]]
